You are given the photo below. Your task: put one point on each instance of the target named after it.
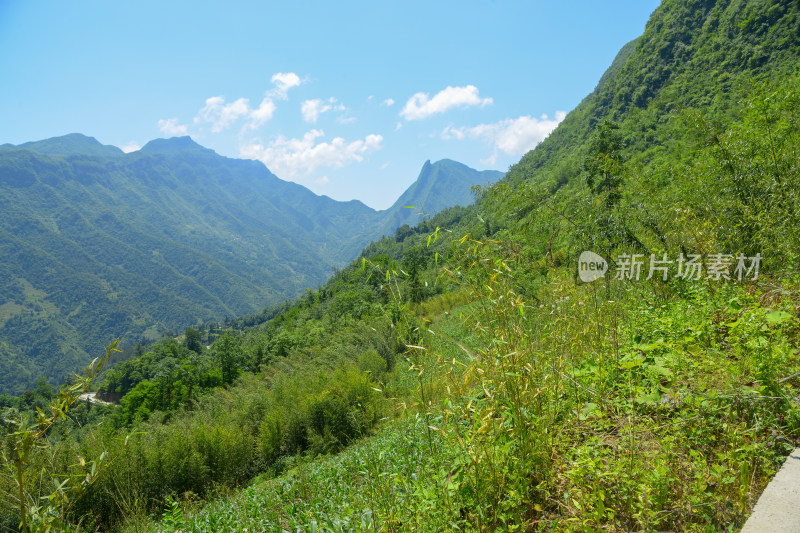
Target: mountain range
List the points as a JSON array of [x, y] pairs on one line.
[[98, 244]]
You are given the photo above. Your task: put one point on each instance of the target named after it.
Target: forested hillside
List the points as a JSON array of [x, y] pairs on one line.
[[462, 377], [99, 244], [693, 54]]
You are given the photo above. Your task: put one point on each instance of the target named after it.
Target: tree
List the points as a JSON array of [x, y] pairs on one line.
[[192, 340], [604, 165], [44, 389], [229, 354], [414, 261]]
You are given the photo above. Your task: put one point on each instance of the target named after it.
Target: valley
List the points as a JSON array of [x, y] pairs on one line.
[[98, 241]]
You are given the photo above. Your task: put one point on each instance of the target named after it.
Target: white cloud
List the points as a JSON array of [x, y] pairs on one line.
[[489, 161], [262, 114], [322, 181], [222, 115], [388, 102], [421, 106], [171, 127], [450, 133], [283, 82], [398, 126], [512, 136], [312, 109], [132, 146], [293, 158]]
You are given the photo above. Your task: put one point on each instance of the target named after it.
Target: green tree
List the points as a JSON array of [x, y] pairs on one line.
[[414, 262], [229, 355], [603, 165], [44, 389], [192, 340]]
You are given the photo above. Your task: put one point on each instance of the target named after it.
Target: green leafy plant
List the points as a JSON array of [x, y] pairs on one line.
[[45, 513]]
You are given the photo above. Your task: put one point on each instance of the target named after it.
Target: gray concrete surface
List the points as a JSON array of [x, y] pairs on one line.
[[778, 508], [91, 396]]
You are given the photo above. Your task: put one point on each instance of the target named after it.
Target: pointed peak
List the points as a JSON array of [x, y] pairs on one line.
[[426, 169], [442, 164]]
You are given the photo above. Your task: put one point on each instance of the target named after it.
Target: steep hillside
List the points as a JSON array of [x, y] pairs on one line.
[[694, 53]]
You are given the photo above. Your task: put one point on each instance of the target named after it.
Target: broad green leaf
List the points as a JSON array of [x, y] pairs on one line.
[[778, 317], [631, 363]]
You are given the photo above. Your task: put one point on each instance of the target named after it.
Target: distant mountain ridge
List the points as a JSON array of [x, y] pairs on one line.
[[97, 243], [440, 185], [70, 144]]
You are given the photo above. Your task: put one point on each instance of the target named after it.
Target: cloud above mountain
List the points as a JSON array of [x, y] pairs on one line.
[[512, 136], [283, 82], [221, 114], [312, 109], [421, 106], [171, 127], [295, 158]]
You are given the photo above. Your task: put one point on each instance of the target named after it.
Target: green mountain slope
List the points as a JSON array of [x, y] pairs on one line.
[[98, 244], [440, 185], [695, 53]]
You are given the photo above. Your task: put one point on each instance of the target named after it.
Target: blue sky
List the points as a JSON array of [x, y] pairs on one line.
[[346, 98]]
